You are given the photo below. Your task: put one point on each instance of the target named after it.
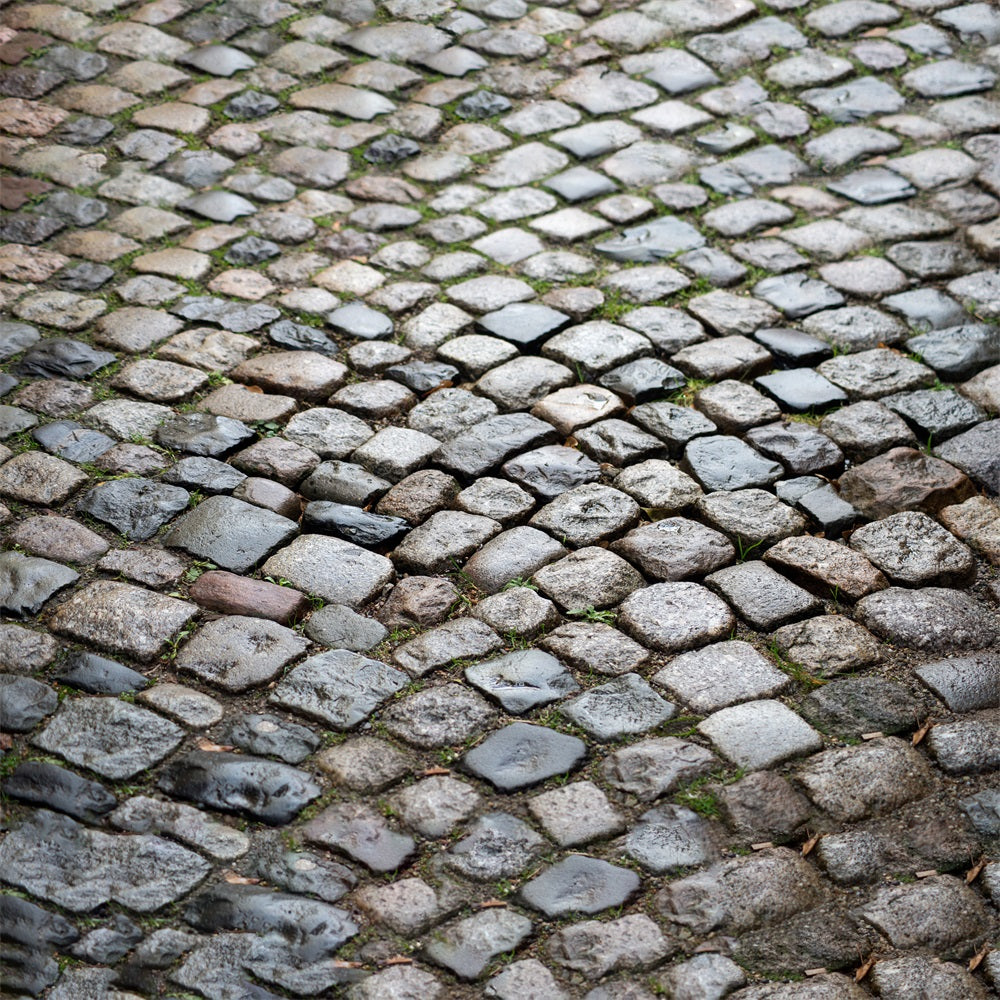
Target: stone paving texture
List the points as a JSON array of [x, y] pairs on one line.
[[500, 499]]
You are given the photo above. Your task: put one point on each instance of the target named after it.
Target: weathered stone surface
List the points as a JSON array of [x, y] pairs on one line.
[[594, 949], [904, 479], [828, 644], [230, 533], [96, 614], [933, 618], [759, 734], [142, 872], [338, 687], [827, 566], [522, 755], [262, 789], [111, 737], [939, 913], [522, 680], [337, 571], [895, 774], [27, 583], [675, 616]]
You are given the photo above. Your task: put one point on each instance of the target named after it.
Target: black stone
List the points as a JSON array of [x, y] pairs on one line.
[[358, 320], [482, 104], [86, 277], [27, 582], [262, 789], [206, 474], [251, 250], [523, 323], [99, 675], [84, 131], [137, 508], [353, 523], [24, 702], [652, 241], [423, 376], [299, 337], [721, 462], [850, 706], [16, 337], [57, 788], [250, 104], [643, 380], [29, 924], [551, 470], [202, 433], [390, 149], [59, 357], [579, 884], [20, 227], [799, 390], [792, 348], [72, 441], [268, 735]]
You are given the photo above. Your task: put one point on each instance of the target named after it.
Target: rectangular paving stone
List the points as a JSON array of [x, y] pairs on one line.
[[760, 734], [337, 571], [122, 618], [232, 534]]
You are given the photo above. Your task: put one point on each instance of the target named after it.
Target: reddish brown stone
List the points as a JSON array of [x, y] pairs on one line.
[[419, 495], [904, 479], [425, 600], [22, 45], [276, 458], [302, 374], [237, 595], [18, 191], [267, 493]]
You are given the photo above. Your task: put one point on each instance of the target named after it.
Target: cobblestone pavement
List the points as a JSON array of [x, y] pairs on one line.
[[499, 500]]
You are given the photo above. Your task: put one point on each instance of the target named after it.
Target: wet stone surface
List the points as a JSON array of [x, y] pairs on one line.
[[497, 453]]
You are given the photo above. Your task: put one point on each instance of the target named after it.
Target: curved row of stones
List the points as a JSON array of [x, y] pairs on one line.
[[500, 499]]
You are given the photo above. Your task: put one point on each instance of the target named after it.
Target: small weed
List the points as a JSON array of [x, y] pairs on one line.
[[744, 548], [520, 581], [198, 567], [591, 614], [794, 670]]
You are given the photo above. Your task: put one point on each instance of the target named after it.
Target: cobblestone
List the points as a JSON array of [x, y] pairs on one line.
[[550, 413]]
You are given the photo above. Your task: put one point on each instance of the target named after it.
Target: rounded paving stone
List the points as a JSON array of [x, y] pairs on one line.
[[672, 617], [521, 755]]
